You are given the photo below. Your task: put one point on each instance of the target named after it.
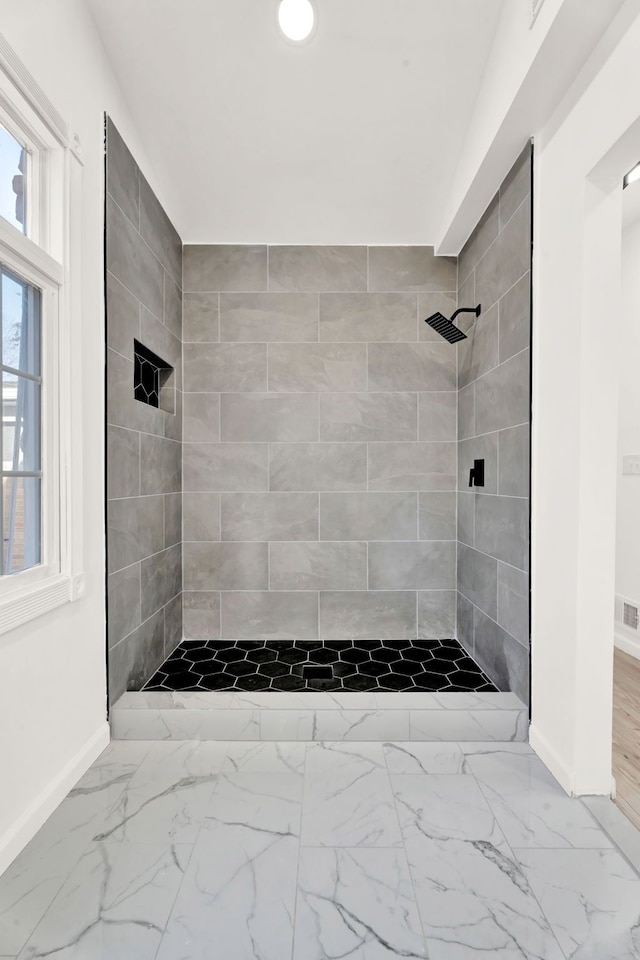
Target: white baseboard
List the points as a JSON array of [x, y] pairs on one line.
[[627, 644], [550, 758], [27, 825]]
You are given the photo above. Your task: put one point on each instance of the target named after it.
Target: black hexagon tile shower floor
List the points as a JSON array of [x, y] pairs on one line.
[[350, 665]]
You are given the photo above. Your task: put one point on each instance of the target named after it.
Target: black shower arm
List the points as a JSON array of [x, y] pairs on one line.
[[477, 310]]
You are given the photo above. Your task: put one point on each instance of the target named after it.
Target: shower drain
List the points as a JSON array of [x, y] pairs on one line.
[[312, 671]]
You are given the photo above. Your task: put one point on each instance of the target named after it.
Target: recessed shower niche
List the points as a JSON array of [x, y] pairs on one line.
[[153, 379]]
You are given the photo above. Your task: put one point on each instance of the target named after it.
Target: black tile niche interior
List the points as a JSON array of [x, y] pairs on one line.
[[333, 665], [151, 375]]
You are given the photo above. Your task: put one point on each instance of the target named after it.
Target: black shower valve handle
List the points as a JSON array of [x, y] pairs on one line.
[[476, 474]]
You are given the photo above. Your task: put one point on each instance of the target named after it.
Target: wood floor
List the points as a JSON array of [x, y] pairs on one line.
[[626, 734]]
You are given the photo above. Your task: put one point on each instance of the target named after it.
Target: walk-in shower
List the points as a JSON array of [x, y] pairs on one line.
[[295, 514]]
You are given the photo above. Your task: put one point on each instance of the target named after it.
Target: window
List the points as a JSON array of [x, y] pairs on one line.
[[20, 510], [13, 200], [40, 332]]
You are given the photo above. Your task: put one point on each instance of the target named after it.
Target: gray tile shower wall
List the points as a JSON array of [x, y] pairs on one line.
[[144, 443], [493, 423], [320, 444]]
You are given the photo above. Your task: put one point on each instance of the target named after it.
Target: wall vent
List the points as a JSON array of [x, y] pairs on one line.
[[627, 614]]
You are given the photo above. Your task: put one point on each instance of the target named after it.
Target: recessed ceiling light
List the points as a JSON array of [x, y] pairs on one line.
[[296, 19], [632, 176]]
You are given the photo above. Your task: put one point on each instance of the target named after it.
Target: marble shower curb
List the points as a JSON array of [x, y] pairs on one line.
[[311, 716]]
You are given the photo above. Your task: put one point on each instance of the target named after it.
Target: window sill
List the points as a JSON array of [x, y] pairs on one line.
[[33, 601]]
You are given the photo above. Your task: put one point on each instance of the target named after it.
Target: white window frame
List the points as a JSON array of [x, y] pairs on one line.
[[48, 257]]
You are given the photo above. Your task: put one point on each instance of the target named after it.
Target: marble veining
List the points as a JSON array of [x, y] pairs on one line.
[[291, 850]]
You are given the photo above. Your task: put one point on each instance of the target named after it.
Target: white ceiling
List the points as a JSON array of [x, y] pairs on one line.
[[351, 138]]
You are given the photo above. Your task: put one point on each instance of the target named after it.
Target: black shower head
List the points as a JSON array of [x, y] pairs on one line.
[[447, 328]]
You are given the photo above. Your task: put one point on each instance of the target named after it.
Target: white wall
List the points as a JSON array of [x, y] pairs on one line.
[[52, 671], [577, 327], [628, 505], [529, 70]]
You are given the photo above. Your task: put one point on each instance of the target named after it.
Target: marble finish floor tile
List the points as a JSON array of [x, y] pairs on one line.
[[30, 884], [237, 899], [265, 757], [531, 807], [430, 758], [332, 665], [288, 850], [358, 904], [473, 897], [168, 796], [347, 797], [116, 902], [592, 900]]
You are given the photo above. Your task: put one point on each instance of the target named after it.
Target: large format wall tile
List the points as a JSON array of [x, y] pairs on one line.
[[122, 318], [217, 367], [224, 267], [225, 566], [269, 416], [122, 175], [269, 516], [504, 659], [225, 466], [437, 516], [436, 614], [135, 529], [368, 416], [201, 615], [502, 529], [515, 318], [269, 317], [123, 463], [506, 260], [200, 321], [132, 262], [516, 187], [201, 516], [410, 268], [493, 425], [162, 460], [172, 519], [478, 578], [412, 366], [160, 579], [479, 352], [157, 230], [368, 516], [379, 614], [144, 452], [137, 657], [123, 591], [503, 395], [513, 602], [304, 367], [412, 466], [479, 242], [318, 268], [368, 316], [201, 417], [513, 461], [318, 566], [437, 416], [270, 616], [318, 466], [412, 566]]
